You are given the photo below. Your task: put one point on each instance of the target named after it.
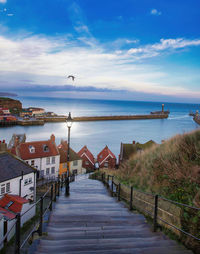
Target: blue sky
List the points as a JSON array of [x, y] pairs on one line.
[[134, 50]]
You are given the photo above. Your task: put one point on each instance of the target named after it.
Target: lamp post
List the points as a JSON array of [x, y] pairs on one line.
[[69, 125]]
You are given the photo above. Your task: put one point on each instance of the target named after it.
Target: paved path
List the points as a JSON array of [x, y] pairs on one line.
[[91, 221]]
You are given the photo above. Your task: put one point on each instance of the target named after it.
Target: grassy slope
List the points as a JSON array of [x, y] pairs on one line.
[[171, 169]]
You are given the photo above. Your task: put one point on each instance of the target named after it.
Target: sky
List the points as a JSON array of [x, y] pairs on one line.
[[130, 49]]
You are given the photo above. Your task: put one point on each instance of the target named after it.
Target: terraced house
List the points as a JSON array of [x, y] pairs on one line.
[[42, 155], [75, 161]]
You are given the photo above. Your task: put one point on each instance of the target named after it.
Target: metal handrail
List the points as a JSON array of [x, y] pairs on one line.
[[155, 205]]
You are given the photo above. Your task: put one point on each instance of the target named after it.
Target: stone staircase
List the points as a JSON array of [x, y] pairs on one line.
[[91, 221]]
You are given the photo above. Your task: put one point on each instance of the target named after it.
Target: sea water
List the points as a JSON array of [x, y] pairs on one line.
[[96, 135]]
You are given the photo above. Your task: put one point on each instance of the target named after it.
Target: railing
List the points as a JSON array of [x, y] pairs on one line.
[[163, 211], [43, 204]]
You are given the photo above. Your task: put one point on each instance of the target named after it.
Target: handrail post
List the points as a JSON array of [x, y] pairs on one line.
[[51, 204], [119, 187], [59, 187], [155, 213], [112, 185], [5, 230], [131, 199], [107, 181], [17, 233], [67, 186], [55, 189], [41, 216]]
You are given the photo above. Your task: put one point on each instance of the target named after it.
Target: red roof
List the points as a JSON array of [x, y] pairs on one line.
[[85, 151], [105, 153], [41, 149], [14, 208]]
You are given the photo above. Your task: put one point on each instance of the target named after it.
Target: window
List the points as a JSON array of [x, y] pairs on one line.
[[42, 173], [31, 149], [48, 160], [27, 162], [25, 181], [30, 180], [9, 204], [53, 160], [87, 163], [106, 164], [3, 189], [8, 187], [53, 170], [75, 163], [47, 171], [45, 148], [32, 163]]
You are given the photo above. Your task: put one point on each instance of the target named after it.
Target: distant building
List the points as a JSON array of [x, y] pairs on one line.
[[25, 113], [75, 161], [36, 111], [4, 111], [87, 158], [42, 155], [127, 150], [16, 177], [106, 158]]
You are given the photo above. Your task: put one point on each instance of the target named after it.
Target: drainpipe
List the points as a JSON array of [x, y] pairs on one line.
[[20, 184]]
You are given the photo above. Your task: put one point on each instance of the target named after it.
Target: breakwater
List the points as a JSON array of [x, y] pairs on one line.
[[122, 117]]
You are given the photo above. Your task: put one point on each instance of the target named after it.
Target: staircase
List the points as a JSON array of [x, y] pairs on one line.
[[91, 221]]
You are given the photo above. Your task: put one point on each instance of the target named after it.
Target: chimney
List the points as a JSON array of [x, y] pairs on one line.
[[133, 142], [3, 146], [16, 142], [52, 138]]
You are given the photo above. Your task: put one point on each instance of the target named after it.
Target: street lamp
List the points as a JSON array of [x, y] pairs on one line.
[[69, 125]]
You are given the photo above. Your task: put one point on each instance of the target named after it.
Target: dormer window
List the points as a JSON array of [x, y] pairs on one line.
[[9, 204], [45, 148], [32, 149]]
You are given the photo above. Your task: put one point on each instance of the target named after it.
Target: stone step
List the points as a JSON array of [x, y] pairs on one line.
[[145, 250], [106, 246]]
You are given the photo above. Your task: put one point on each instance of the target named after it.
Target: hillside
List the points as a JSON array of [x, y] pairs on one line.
[[171, 169], [13, 105]]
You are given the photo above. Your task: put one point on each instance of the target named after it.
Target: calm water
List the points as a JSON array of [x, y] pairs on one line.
[[98, 134]]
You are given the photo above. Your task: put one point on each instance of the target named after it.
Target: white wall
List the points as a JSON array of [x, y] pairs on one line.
[[40, 164], [78, 167], [25, 188]]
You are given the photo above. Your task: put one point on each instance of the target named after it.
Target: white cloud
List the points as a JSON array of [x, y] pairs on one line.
[[3, 1], [156, 12], [10, 14], [47, 61], [165, 45]]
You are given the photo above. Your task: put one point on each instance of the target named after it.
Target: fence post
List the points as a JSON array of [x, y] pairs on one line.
[[67, 186], [131, 199], [5, 230], [59, 187], [55, 189], [51, 198], [41, 216], [155, 213], [17, 233], [119, 187], [112, 185]]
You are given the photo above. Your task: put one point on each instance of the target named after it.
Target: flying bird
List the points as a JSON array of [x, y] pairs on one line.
[[72, 77]]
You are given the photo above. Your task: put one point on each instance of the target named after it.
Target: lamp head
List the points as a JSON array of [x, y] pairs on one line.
[[69, 120]]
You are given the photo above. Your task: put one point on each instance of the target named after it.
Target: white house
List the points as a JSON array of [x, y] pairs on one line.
[[10, 206], [16, 177], [42, 155]]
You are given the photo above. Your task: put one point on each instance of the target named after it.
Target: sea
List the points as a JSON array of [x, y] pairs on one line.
[[96, 135]]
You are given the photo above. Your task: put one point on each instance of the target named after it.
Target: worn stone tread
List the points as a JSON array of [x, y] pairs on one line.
[[91, 221]]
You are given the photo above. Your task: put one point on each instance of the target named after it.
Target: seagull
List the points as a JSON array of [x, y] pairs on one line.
[[72, 77]]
